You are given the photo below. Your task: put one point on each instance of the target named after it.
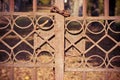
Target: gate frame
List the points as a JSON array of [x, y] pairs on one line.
[[59, 56]]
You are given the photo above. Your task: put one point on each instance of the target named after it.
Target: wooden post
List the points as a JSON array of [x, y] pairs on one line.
[[59, 55]]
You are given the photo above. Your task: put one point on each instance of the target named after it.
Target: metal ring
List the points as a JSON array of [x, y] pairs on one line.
[[113, 59], [118, 32], [95, 32], [45, 22], [74, 32], [41, 52], [7, 54], [25, 26], [6, 25], [23, 51], [97, 56]]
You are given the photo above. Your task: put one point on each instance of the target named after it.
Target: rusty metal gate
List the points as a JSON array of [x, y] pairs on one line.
[[31, 51], [47, 46]]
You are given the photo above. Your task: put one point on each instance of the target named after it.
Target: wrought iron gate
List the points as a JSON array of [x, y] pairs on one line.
[[92, 48], [31, 47], [39, 47], [47, 46]]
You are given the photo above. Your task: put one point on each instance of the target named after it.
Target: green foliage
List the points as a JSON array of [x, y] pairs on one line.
[[45, 2], [117, 9], [100, 7]]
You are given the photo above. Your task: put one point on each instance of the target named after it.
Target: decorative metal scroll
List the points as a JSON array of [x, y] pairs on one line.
[[28, 46], [92, 47], [27, 41]]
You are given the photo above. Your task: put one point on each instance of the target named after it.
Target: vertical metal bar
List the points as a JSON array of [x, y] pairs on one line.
[[11, 5], [59, 4], [12, 67], [106, 76], [34, 73], [84, 75], [106, 14], [83, 41], [11, 72], [106, 8], [84, 8], [34, 5], [59, 55]]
